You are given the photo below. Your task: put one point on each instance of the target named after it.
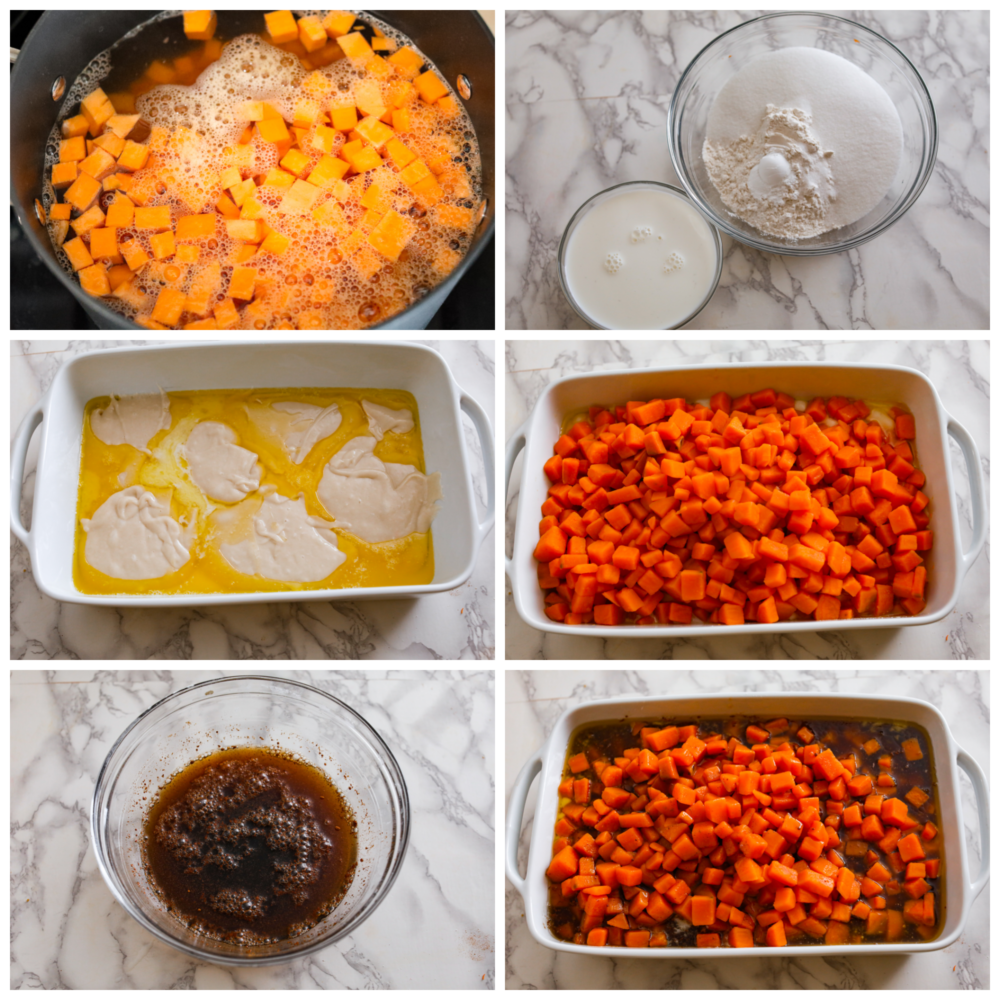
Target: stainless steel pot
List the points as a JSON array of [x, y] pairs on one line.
[[63, 43]]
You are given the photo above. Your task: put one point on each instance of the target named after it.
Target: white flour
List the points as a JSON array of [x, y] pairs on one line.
[[800, 142]]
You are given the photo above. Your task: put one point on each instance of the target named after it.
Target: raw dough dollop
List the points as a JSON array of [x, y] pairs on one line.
[[132, 420], [376, 500], [382, 419], [279, 541], [133, 537], [220, 468], [298, 426]]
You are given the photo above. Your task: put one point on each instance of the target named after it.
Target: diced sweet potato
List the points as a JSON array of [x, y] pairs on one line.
[[97, 109], [275, 243], [63, 174], [430, 87], [133, 156], [401, 120], [344, 119], [391, 235], [407, 62], [355, 48], [103, 244], [361, 157], [83, 192], [78, 254], [112, 144], [72, 150], [162, 245], [200, 25], [399, 153], [312, 34], [281, 26], [295, 162], [242, 191], [124, 126], [368, 97], [169, 306], [153, 218], [118, 275], [327, 171], [454, 216], [61, 212], [273, 130], [99, 164], [247, 230], [338, 22], [73, 127], [242, 282], [226, 315], [372, 130], [94, 280], [93, 218], [299, 198], [196, 227], [134, 254]]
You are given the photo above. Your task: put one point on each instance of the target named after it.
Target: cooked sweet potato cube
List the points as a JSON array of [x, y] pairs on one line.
[[407, 62], [134, 254], [99, 164], [204, 286], [227, 207], [202, 324], [111, 183], [247, 230], [454, 216], [355, 48], [111, 144], [242, 282], [63, 174], [73, 127], [123, 126], [83, 192], [242, 253], [153, 218], [299, 198], [196, 227], [93, 218], [372, 130], [226, 315], [312, 34], [61, 213], [428, 191], [332, 215], [229, 178], [391, 235], [273, 130], [243, 190], [97, 109], [251, 111], [94, 280], [79, 255], [169, 306], [295, 162], [306, 114], [133, 156], [338, 22], [276, 177], [362, 159], [162, 245], [368, 98], [200, 24], [328, 170], [401, 120], [447, 104], [275, 243], [344, 119], [251, 209], [414, 173], [399, 153], [374, 198], [118, 275], [103, 243], [72, 150], [281, 26], [400, 93], [325, 137], [430, 87]]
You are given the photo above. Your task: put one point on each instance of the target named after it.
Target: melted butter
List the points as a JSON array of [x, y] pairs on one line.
[[402, 562]]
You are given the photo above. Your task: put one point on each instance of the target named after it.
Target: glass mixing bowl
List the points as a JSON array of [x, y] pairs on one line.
[[730, 52], [250, 711]]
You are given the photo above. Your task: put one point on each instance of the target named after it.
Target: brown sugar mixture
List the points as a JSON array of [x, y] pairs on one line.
[[249, 846]]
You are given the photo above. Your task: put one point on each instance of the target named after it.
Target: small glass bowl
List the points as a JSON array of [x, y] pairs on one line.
[[610, 193], [250, 711], [709, 71]]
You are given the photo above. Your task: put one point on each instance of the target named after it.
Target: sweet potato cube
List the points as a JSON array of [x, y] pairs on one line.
[[401, 93], [430, 87], [407, 62], [72, 150], [275, 243], [229, 178], [327, 171], [242, 282], [133, 156], [123, 125], [324, 138], [338, 22], [391, 235], [94, 280], [93, 218], [226, 315], [273, 130], [204, 286], [159, 72], [295, 162], [243, 253], [281, 26], [453, 216], [372, 130], [362, 159], [276, 177], [447, 104], [373, 198], [247, 230], [99, 164], [344, 119], [332, 215], [63, 174], [312, 34], [103, 243], [153, 218], [428, 191], [188, 253], [60, 213], [118, 275], [299, 198], [355, 48], [134, 255], [240, 192], [251, 111], [111, 144], [79, 255], [97, 109], [251, 209], [73, 127], [227, 207], [196, 227], [169, 306], [200, 24], [399, 153], [306, 113], [162, 245], [368, 98]]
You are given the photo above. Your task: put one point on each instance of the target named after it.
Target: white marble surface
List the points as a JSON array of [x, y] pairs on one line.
[[535, 699], [960, 373], [458, 624], [435, 929], [587, 98]]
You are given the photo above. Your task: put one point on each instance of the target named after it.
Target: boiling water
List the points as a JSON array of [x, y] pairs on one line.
[[640, 259]]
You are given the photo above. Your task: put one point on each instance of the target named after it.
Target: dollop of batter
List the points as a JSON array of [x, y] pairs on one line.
[[220, 468], [298, 426], [375, 500], [278, 540], [133, 537], [133, 420], [382, 419]]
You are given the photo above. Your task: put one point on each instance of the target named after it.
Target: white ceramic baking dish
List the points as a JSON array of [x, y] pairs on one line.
[[959, 888], [889, 384], [457, 531]]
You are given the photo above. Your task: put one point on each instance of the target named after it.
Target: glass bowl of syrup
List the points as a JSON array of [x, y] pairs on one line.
[[250, 820]]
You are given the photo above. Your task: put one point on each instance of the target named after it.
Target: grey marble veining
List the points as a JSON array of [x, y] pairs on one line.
[[586, 107], [535, 699], [457, 624], [960, 373], [434, 930]]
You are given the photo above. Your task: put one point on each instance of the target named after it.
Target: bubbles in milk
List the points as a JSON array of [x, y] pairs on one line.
[[640, 233], [613, 262], [673, 263]]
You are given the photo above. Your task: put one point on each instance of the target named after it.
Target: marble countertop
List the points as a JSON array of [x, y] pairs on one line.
[[960, 373], [435, 929], [587, 98], [534, 700], [457, 624]]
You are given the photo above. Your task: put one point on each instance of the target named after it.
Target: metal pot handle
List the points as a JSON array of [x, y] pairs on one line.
[[518, 797], [981, 789], [514, 447], [18, 455], [482, 423], [976, 487], [14, 53]]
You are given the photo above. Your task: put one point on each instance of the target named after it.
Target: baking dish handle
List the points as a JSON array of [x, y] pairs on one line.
[[515, 814], [976, 486], [981, 789], [18, 455], [514, 448], [482, 423]]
